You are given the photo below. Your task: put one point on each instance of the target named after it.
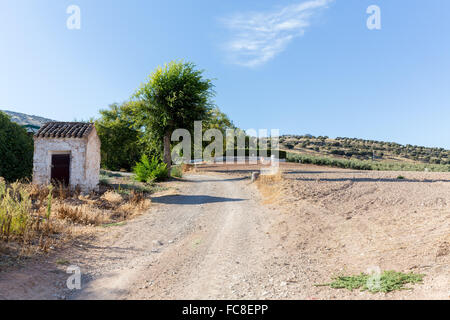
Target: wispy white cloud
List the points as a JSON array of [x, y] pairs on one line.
[[258, 37]]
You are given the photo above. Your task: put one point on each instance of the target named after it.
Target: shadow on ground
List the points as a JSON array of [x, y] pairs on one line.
[[369, 180], [191, 199], [215, 180]]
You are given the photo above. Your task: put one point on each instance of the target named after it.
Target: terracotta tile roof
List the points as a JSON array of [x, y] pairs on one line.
[[65, 130]]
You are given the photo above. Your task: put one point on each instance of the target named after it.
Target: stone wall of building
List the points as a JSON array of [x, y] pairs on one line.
[[84, 160], [93, 161]]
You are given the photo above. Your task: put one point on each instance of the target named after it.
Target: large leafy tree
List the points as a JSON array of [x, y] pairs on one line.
[[121, 140], [16, 150], [218, 120], [174, 97]]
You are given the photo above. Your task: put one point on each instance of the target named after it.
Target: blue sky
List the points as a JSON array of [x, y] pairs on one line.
[[307, 66]]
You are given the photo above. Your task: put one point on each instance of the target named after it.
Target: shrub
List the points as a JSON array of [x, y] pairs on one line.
[[142, 169], [364, 165], [259, 152], [25, 215], [289, 145], [15, 207], [176, 171], [120, 140], [388, 281], [159, 173], [16, 150], [148, 171]]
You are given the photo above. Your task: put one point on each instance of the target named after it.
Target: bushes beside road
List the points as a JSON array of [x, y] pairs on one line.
[[365, 164], [16, 150], [150, 170], [258, 152]]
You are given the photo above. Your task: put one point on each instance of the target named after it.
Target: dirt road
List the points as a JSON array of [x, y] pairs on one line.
[[205, 243], [220, 237]]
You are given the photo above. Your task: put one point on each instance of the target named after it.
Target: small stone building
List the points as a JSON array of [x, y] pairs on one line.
[[68, 152]]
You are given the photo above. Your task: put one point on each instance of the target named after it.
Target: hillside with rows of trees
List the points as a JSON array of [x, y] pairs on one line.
[[359, 149]]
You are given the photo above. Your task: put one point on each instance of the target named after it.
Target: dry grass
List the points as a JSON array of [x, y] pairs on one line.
[[81, 214], [185, 167], [34, 218], [112, 196], [26, 217], [270, 187]]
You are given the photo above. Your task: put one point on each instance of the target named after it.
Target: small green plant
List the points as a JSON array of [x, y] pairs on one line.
[[388, 281], [15, 207], [160, 173], [148, 171], [62, 262], [114, 224], [49, 202], [104, 181], [176, 171], [109, 174]]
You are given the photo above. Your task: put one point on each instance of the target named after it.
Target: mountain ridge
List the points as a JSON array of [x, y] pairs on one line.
[[24, 119]]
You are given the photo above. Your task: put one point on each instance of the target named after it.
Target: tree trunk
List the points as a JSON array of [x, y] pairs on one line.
[[167, 153]]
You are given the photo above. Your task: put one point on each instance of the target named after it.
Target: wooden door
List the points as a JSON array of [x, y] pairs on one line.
[[61, 168]]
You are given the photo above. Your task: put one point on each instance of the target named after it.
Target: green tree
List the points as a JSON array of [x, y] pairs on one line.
[[121, 140], [218, 120], [174, 97], [16, 150]]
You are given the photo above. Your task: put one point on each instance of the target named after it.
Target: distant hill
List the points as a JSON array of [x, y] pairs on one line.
[[31, 122], [360, 149]]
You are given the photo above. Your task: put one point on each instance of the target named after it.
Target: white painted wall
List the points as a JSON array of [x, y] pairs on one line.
[[93, 160], [84, 160]]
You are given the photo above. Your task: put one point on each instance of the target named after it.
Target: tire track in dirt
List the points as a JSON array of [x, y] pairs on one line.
[[208, 241]]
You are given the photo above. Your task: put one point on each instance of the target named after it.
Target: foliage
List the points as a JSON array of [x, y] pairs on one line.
[[360, 149], [389, 281], [216, 119], [121, 140], [21, 206], [16, 150], [125, 185], [49, 201], [174, 97], [31, 216], [150, 170], [281, 154], [15, 206], [176, 171], [364, 164]]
